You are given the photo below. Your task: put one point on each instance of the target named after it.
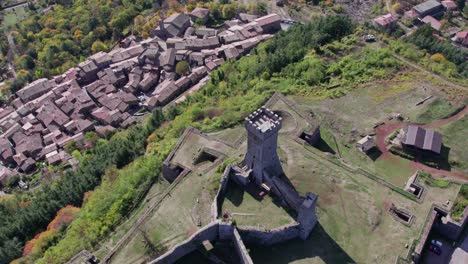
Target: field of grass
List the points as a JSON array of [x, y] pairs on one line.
[[318, 248], [230, 135], [394, 169], [11, 17], [247, 211], [352, 207], [172, 222], [455, 137], [434, 111], [460, 203]]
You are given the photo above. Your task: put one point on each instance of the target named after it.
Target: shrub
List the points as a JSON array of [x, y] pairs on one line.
[[182, 68], [437, 57]]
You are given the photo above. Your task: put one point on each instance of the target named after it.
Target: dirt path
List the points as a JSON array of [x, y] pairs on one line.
[[449, 120], [383, 131], [11, 53]]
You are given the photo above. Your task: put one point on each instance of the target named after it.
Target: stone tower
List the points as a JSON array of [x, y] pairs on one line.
[[262, 139]]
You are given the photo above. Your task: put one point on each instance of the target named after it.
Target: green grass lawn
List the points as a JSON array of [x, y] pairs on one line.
[[454, 137], [318, 248], [394, 169], [230, 135], [13, 16], [434, 111], [247, 211]]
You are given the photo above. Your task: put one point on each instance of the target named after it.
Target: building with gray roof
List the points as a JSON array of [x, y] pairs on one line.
[[35, 90], [201, 14], [419, 138], [431, 7]]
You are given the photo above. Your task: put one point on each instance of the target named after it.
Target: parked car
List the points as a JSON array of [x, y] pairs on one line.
[[370, 38], [436, 243], [435, 249]]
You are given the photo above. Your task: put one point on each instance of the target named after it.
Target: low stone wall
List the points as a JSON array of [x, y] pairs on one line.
[[170, 171], [260, 236], [240, 248], [212, 232], [287, 193], [209, 232], [219, 198]]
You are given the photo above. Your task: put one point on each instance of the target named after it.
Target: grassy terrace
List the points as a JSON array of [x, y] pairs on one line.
[[247, 211], [455, 137], [351, 207]]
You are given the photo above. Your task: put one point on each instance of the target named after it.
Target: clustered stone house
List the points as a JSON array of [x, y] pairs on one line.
[[428, 12], [105, 90]]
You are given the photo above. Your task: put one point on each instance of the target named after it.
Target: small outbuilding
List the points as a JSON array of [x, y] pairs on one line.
[[387, 21], [365, 144]]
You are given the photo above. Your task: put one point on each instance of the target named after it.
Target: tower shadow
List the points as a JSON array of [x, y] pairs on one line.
[[318, 245]]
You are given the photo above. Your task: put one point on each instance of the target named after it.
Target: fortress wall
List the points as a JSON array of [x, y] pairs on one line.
[[288, 193], [451, 229], [219, 198], [212, 232], [209, 232], [254, 235], [240, 248]]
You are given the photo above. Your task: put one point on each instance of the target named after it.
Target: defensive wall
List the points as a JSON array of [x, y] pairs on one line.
[[258, 236], [438, 220], [213, 232]]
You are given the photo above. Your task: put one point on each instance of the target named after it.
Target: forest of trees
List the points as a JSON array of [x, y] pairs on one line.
[[424, 39]]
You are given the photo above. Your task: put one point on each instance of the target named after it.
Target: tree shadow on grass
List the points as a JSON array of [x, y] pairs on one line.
[[318, 245]]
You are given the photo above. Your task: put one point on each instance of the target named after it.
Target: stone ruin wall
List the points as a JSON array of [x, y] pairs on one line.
[[170, 172], [451, 229], [266, 237], [240, 248], [209, 232], [218, 200], [212, 232]]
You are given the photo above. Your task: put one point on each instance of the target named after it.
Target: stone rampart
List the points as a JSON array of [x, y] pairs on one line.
[[450, 228], [240, 248], [212, 232], [218, 200], [209, 232], [266, 237]]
